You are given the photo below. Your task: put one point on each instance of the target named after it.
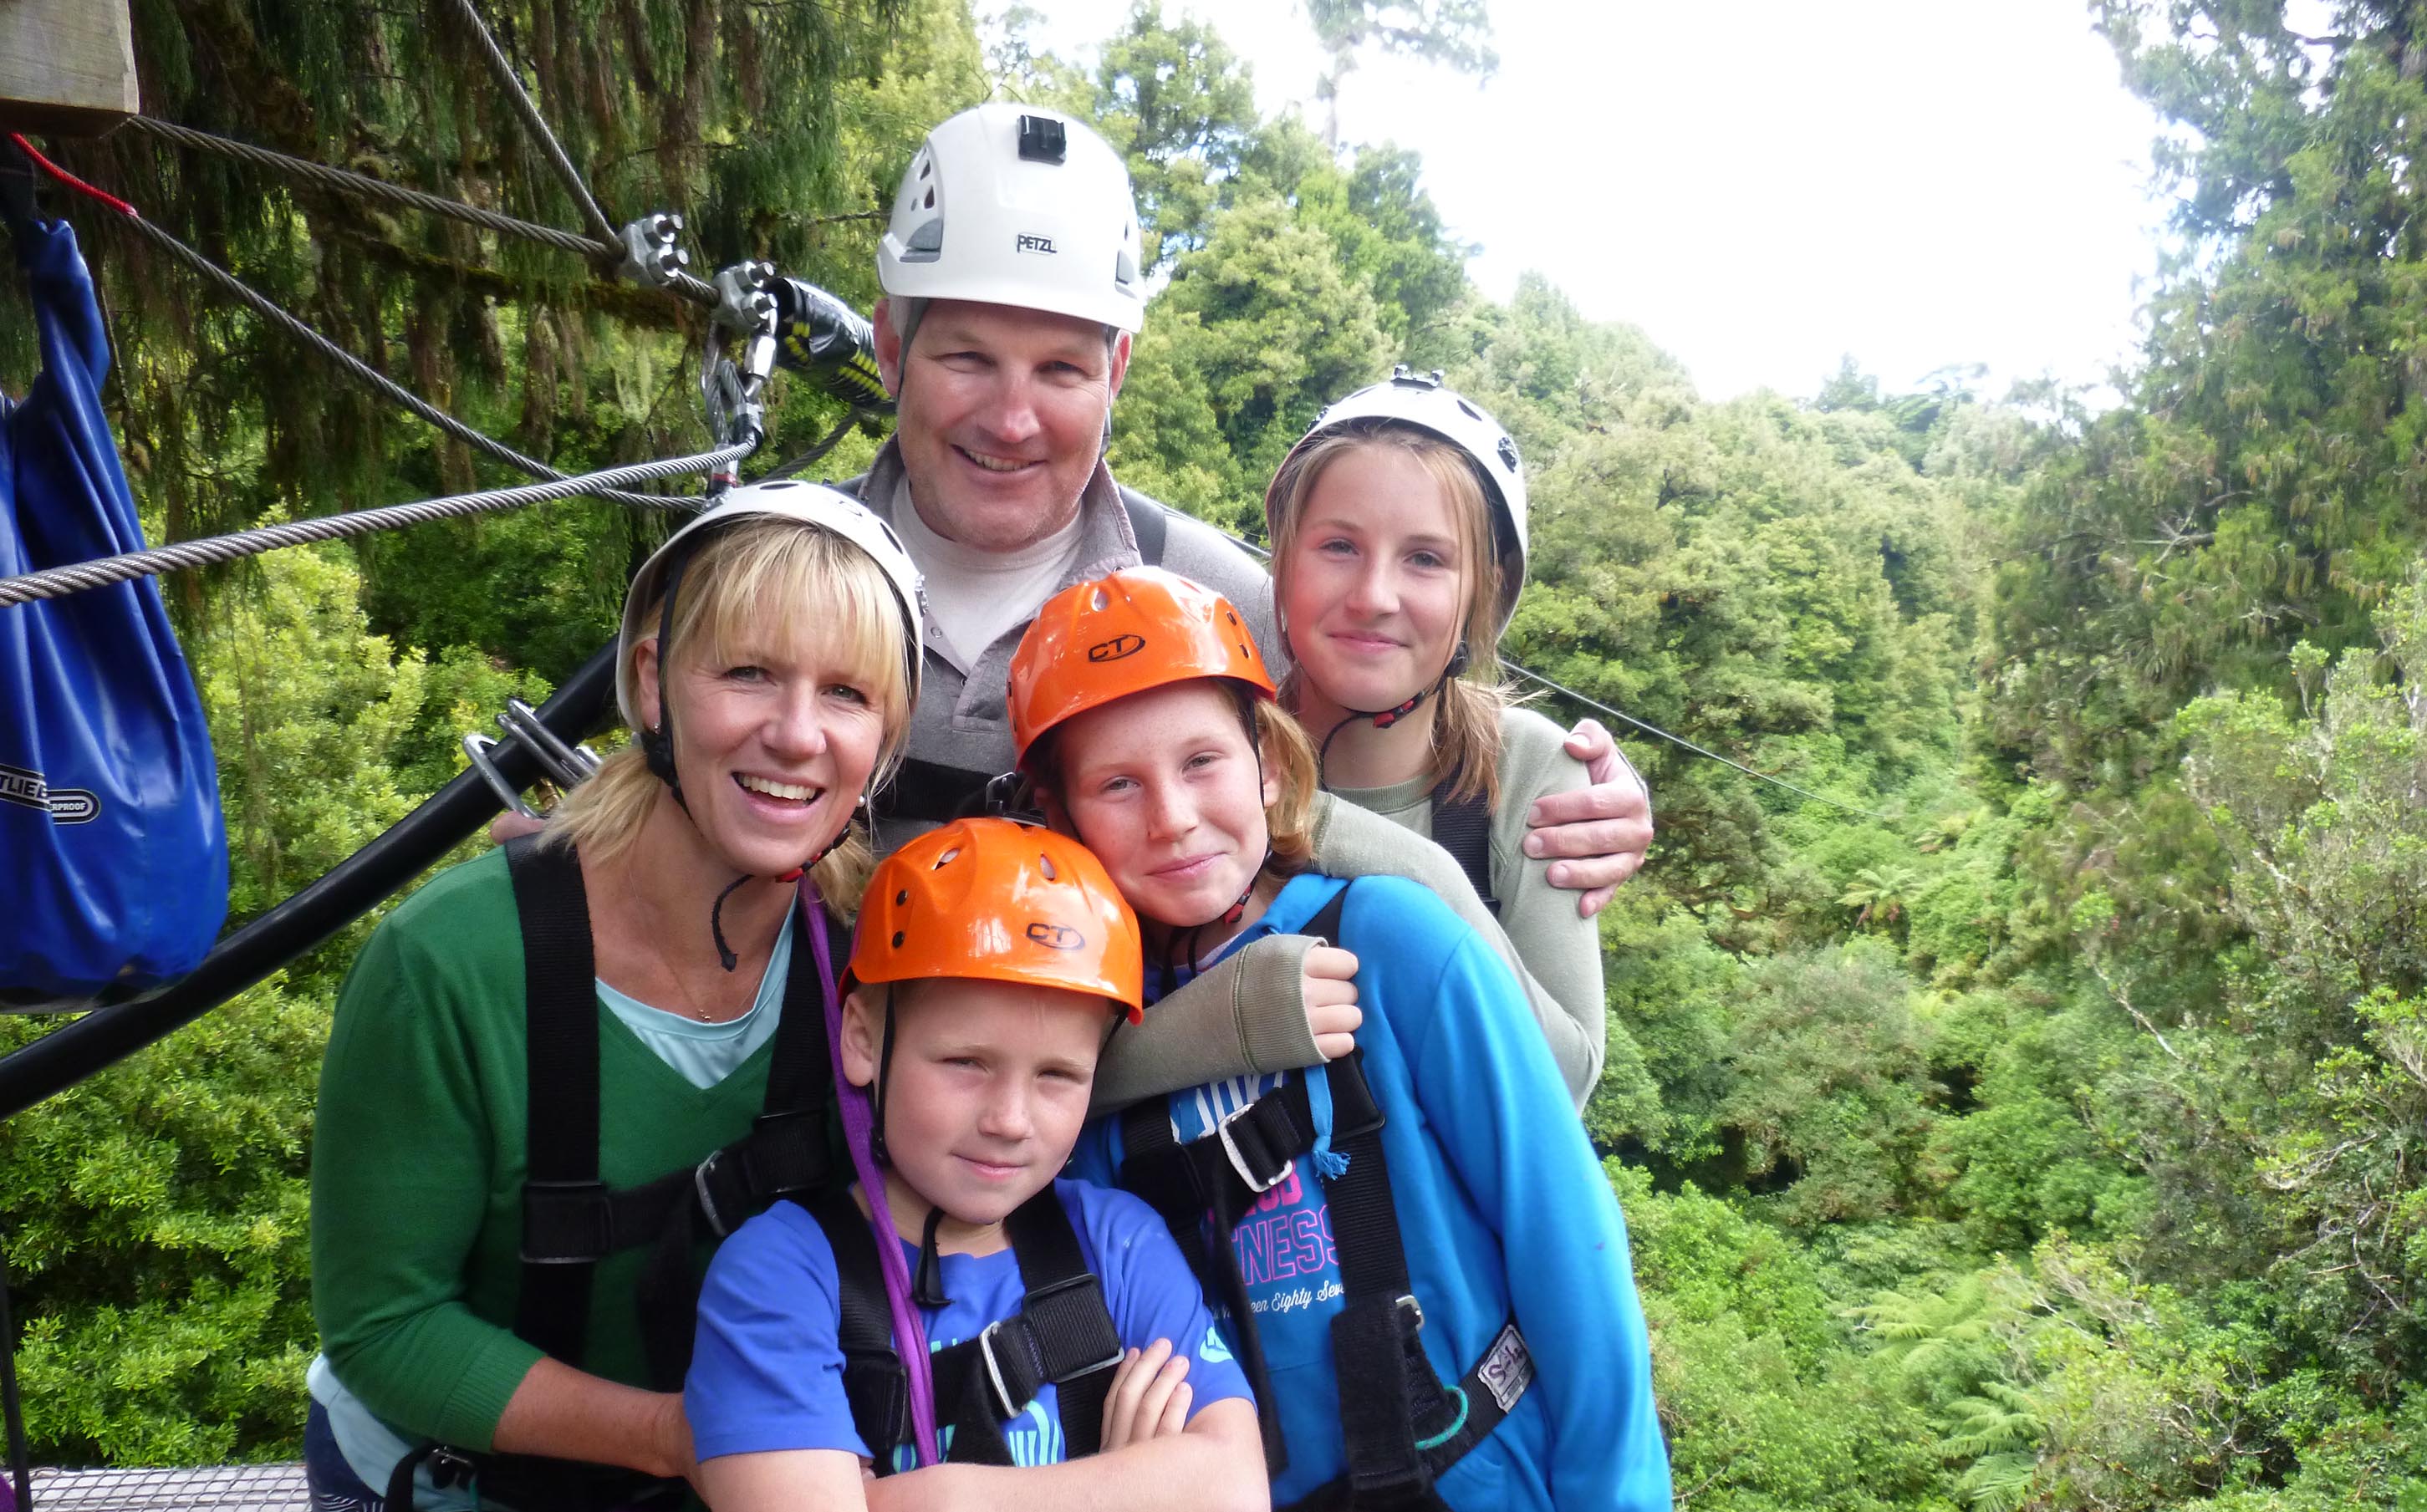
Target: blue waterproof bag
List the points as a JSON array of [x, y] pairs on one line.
[[113, 854]]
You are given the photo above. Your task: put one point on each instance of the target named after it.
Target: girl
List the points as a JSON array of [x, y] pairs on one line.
[[1398, 531], [1371, 1220]]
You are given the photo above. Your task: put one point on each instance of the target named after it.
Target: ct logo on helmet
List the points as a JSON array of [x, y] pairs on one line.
[[1115, 648], [1057, 936]]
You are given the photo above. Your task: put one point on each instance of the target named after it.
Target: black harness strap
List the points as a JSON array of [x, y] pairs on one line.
[[1149, 522], [932, 793], [1062, 1335], [566, 1225], [1463, 826]]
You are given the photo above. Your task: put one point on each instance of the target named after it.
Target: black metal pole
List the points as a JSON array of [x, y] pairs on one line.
[[356, 885]]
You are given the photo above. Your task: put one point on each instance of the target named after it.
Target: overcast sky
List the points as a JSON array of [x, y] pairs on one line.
[[1764, 185]]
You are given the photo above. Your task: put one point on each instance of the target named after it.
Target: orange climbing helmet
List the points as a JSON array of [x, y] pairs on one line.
[[1140, 627], [1004, 902]]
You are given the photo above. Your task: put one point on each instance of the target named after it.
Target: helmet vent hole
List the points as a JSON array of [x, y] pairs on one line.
[[897, 939], [945, 859], [930, 203], [902, 898], [1102, 599], [1470, 411], [1045, 864]]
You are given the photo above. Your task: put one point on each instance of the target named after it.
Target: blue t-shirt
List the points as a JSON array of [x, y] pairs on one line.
[[766, 1372], [1503, 1212]]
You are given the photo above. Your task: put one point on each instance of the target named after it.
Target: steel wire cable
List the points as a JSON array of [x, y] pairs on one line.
[[1567, 693], [55, 582], [362, 186], [354, 368], [536, 124], [347, 362]]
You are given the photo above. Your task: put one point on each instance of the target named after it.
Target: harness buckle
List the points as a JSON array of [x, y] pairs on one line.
[[1238, 1161], [994, 1370], [701, 1180]]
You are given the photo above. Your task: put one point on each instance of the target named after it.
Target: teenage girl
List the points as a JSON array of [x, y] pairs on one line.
[[1399, 531]]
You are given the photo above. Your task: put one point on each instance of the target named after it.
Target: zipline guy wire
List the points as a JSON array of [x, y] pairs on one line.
[[55, 582], [362, 186], [1655, 730], [360, 371], [537, 124], [1565, 692]]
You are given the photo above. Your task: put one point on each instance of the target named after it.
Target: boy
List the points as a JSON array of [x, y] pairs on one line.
[[1063, 1316]]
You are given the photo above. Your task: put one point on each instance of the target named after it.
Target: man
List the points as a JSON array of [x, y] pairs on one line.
[[1013, 287]]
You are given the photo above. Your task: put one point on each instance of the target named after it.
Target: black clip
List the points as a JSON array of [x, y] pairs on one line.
[[1043, 139]]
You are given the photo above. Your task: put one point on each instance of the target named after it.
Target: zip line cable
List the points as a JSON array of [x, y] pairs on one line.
[[698, 290], [362, 186], [362, 372], [1595, 703], [55, 582], [537, 126]]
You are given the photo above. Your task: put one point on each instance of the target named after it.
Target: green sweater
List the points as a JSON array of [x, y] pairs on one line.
[[418, 1165]]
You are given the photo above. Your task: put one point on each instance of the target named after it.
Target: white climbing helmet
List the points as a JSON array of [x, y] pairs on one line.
[[808, 503], [1020, 206], [1422, 400]]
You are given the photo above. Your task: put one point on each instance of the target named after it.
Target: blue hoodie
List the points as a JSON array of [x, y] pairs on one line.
[[1487, 1166]]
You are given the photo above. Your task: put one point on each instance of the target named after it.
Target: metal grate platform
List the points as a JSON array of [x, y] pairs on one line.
[[213, 1489]]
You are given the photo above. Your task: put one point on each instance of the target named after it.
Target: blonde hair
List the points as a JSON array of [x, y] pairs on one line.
[[1466, 716], [761, 578]]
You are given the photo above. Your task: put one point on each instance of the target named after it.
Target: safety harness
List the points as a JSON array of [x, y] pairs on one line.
[[938, 792], [1062, 1335], [572, 1220], [1400, 1426], [1463, 826]]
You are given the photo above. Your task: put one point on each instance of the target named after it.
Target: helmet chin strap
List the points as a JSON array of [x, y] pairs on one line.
[[724, 953], [1382, 719]]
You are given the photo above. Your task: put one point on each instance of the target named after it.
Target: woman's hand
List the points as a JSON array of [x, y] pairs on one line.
[[1149, 1397], [1332, 1012]]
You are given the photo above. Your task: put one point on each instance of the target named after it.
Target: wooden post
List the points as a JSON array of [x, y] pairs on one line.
[[66, 66]]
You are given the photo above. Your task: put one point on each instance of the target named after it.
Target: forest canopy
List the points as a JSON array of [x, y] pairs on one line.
[[2025, 1107]]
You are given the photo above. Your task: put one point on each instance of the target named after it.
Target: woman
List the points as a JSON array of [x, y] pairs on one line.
[[559, 1073], [1423, 1270], [1398, 531]]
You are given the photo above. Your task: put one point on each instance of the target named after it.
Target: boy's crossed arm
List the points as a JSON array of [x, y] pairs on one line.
[[1154, 1454]]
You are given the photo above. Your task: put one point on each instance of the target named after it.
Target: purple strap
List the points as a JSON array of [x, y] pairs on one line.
[[909, 1333]]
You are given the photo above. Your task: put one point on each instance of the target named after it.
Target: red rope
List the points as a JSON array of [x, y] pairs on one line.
[[71, 180]]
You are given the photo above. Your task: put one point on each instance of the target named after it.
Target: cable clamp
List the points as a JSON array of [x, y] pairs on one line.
[[745, 299], [650, 255]]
